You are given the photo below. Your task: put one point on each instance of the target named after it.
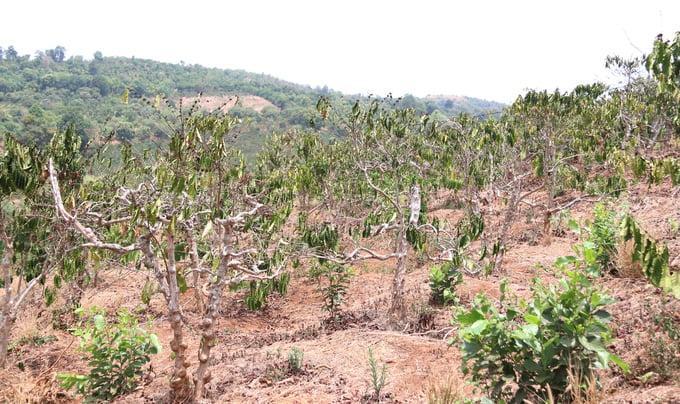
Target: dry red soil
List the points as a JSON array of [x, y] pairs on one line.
[[249, 363], [226, 102]]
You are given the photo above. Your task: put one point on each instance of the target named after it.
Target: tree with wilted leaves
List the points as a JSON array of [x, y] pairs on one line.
[[364, 191], [193, 200]]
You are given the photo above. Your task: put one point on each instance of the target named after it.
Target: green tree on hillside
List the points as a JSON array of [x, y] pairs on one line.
[[11, 54], [57, 54]]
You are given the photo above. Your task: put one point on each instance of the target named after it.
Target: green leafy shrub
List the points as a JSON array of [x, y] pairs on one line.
[[116, 353], [598, 252], [584, 261], [603, 232], [332, 281], [525, 350], [443, 281]]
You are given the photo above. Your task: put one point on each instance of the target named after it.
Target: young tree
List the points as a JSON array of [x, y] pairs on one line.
[[384, 178], [364, 193], [34, 248], [482, 159], [57, 54], [555, 138], [196, 199], [11, 54]]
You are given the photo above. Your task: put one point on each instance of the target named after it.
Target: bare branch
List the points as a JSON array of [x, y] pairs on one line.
[[370, 254], [87, 232], [102, 222], [584, 198], [241, 217], [379, 190], [383, 228]]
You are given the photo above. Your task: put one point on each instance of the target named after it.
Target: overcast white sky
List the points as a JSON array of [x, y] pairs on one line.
[[494, 49]]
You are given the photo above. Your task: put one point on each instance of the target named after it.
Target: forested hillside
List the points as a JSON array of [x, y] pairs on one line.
[[43, 93]]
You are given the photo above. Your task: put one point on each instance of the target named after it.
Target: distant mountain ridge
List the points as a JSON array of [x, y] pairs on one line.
[[42, 94], [466, 104]]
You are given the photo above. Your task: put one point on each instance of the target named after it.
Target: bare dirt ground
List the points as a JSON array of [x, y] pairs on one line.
[[250, 361], [226, 102]]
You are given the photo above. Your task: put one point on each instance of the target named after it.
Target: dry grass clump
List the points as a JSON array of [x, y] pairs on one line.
[[447, 390], [627, 268], [586, 392], [18, 387]]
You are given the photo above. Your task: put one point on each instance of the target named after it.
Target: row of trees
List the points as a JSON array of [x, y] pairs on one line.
[[192, 213], [58, 54]]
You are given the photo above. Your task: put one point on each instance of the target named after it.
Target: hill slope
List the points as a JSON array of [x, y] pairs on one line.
[[42, 94]]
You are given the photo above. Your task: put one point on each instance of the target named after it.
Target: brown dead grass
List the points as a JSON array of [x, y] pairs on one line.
[[446, 389], [627, 268], [15, 387]]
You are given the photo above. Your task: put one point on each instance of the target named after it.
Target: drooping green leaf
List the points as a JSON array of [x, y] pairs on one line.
[[469, 318], [479, 326]]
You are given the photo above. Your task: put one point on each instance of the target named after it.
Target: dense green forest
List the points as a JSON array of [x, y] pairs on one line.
[[43, 93]]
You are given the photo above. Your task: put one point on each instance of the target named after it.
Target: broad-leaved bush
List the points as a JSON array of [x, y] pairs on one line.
[[116, 352], [525, 349]]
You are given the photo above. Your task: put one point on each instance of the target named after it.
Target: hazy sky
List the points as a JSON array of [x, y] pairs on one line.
[[491, 49]]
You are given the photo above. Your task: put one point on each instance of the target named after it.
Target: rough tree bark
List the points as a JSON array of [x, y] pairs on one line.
[[231, 259], [196, 270], [397, 307], [179, 380]]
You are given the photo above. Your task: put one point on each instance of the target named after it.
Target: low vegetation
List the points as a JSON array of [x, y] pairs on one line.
[[525, 350], [117, 353]]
